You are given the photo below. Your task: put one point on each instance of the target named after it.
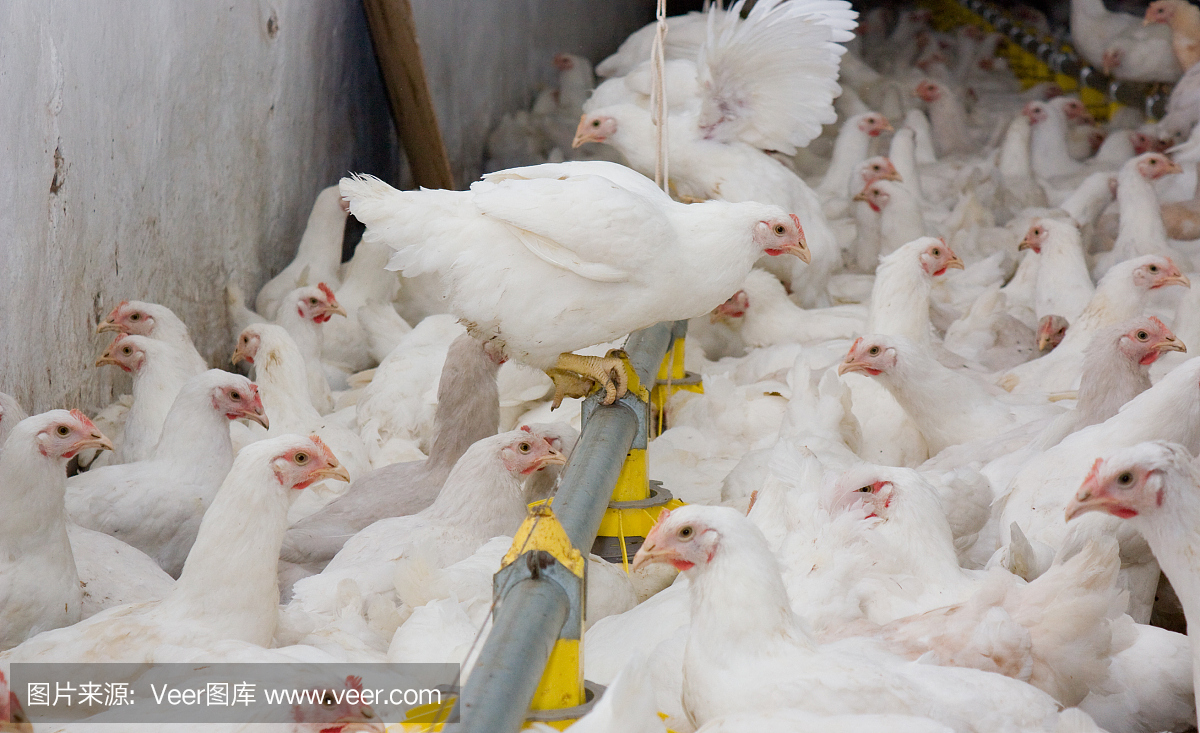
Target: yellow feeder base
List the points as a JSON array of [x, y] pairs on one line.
[[672, 378]]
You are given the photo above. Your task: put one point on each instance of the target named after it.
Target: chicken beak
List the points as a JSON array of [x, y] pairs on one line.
[[336, 471], [954, 263], [96, 440], [1088, 500], [237, 355], [892, 175], [800, 249], [851, 366], [336, 309], [107, 359], [107, 325], [1171, 344], [1043, 341], [648, 554], [258, 416], [553, 458], [1172, 167], [860, 196], [1179, 279], [887, 127]]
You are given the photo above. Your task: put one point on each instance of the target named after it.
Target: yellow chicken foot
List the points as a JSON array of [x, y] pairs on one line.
[[575, 375]]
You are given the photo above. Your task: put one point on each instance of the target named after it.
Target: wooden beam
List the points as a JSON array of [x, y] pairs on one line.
[[394, 35]]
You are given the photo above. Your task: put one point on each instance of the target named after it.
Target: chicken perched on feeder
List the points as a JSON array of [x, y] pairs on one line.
[[553, 258]]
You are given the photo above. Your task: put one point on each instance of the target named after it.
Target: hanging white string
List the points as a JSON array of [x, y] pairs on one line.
[[658, 98]]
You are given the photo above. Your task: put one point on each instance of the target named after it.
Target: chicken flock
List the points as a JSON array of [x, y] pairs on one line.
[[940, 478]]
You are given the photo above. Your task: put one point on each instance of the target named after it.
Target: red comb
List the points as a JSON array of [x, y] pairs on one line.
[[83, 419], [328, 293], [323, 449], [527, 429]]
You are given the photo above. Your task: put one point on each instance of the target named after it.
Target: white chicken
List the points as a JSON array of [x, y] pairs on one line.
[[516, 217], [40, 588]]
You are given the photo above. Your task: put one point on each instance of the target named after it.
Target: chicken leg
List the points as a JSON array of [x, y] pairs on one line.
[[575, 375]]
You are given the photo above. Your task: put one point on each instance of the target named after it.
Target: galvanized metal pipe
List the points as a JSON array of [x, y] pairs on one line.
[[530, 616], [595, 465], [497, 694]]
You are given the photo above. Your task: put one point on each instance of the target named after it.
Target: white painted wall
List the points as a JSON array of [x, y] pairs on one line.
[[154, 150]]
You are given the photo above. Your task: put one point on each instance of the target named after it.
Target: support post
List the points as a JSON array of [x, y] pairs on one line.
[[394, 35]]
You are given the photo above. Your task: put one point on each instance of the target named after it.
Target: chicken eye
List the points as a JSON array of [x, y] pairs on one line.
[[1125, 479], [312, 301], [524, 447], [300, 458], [685, 533], [595, 123], [873, 351], [235, 395], [327, 701], [126, 350], [64, 431], [865, 489], [136, 317], [1152, 161], [935, 252], [1142, 335], [1153, 268]]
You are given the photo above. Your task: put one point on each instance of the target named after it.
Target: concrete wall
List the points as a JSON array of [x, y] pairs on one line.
[[155, 150]]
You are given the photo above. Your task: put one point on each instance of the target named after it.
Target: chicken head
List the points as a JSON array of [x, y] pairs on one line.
[[1127, 483], [874, 124], [734, 308], [306, 461], [861, 489], [337, 714], [877, 168], [1052, 329], [1153, 166], [1147, 339], [874, 196], [594, 129], [682, 538], [238, 397], [1035, 112], [783, 235], [135, 317], [1158, 272], [247, 347], [63, 434], [1159, 11], [1074, 109], [938, 257], [123, 352], [1034, 238], [870, 355], [928, 91], [318, 304], [529, 453]]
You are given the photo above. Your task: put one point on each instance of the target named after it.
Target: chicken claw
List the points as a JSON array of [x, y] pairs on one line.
[[575, 375]]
